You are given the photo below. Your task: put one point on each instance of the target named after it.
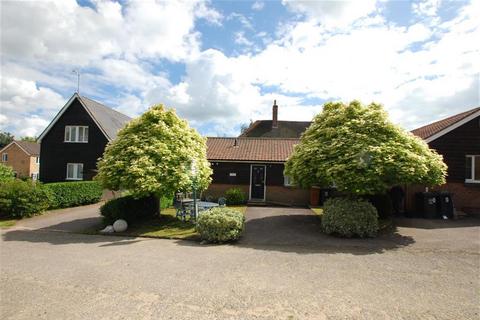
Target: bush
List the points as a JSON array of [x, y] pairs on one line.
[[220, 224], [166, 202], [6, 173], [348, 217], [20, 199], [235, 196], [128, 208], [77, 193]]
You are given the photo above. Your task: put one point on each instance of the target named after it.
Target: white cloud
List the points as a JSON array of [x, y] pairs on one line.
[[242, 40], [426, 7], [333, 13], [258, 5]]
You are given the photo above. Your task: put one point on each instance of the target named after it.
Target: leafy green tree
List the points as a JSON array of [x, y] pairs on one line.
[[6, 173], [29, 139], [357, 149], [153, 155], [5, 138]]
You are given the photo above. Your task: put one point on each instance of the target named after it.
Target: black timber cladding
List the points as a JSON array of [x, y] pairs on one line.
[[455, 145], [55, 153], [241, 173]]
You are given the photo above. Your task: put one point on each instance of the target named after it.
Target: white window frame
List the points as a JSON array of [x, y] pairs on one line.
[[37, 160], [34, 176], [76, 167], [288, 181], [77, 134], [4, 157], [472, 159]]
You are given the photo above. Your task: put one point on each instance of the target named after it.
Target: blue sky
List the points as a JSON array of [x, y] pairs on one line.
[[221, 64]]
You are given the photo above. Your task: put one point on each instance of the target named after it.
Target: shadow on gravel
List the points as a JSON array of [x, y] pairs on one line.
[[60, 238], [437, 223], [301, 234]]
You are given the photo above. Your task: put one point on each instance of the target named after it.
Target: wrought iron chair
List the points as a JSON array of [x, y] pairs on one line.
[[180, 210], [222, 201]]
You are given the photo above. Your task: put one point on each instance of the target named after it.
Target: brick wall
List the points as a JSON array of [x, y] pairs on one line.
[[466, 197], [19, 161], [274, 194]]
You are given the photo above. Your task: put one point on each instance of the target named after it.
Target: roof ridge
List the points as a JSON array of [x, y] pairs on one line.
[[254, 138]]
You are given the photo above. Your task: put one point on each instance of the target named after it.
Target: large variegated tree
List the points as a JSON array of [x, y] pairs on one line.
[[357, 149], [153, 155]]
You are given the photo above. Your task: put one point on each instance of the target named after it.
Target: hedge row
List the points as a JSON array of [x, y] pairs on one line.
[[20, 199], [72, 194]]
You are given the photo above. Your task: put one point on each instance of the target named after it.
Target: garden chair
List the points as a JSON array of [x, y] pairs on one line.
[[222, 202], [180, 210]]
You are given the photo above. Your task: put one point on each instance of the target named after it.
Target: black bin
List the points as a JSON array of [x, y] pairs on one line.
[[427, 204], [325, 194], [445, 204]]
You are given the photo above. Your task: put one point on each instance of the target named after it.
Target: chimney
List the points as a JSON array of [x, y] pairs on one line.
[[275, 114]]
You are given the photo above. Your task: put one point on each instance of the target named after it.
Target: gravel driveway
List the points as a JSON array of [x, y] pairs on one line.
[[418, 273]]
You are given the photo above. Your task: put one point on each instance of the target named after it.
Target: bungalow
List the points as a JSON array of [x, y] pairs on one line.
[[457, 138], [23, 157], [72, 143], [254, 162]]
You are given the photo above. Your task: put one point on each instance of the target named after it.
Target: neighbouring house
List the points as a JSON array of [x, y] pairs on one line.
[[76, 138], [457, 138], [275, 128], [254, 162], [23, 157]]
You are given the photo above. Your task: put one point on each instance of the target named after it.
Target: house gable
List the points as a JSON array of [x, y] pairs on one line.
[[56, 153]]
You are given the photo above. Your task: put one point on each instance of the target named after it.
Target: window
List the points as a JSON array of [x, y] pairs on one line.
[[4, 157], [287, 181], [472, 169], [74, 171], [76, 134], [37, 160], [34, 176]]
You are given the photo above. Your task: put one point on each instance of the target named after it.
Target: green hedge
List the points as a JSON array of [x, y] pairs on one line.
[[128, 208], [75, 193], [235, 196], [21, 199], [220, 224], [349, 217]]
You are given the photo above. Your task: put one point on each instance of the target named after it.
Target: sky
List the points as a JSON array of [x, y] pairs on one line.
[[221, 64]]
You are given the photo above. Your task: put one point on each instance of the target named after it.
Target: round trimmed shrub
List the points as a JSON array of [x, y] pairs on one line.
[[349, 217], [220, 224], [235, 196], [21, 199]]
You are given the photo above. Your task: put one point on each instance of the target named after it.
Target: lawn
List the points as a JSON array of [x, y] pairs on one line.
[[7, 222], [167, 226], [318, 211]]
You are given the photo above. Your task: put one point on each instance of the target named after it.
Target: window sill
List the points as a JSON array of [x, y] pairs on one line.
[[73, 179], [75, 141]]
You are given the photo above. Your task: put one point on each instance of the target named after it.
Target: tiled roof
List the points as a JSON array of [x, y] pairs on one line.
[[285, 129], [250, 149], [110, 120], [435, 127], [32, 148]]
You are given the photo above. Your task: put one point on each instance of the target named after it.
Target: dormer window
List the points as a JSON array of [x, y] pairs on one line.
[[76, 134]]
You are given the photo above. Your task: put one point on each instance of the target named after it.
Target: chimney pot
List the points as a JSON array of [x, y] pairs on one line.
[[275, 114]]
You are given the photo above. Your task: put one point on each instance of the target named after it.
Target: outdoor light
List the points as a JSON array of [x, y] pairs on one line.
[[193, 170]]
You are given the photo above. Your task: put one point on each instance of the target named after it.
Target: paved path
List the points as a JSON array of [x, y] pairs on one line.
[[57, 275], [67, 220]]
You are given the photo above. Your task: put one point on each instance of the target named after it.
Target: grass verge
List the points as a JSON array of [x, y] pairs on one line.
[[7, 222], [167, 226]]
